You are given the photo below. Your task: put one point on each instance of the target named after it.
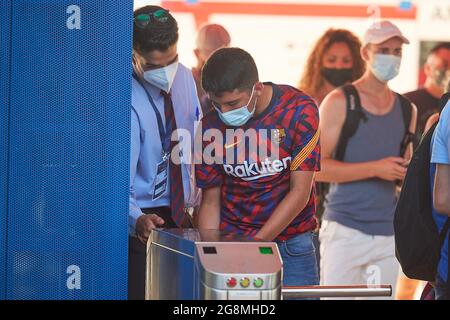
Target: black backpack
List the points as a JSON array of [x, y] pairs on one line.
[[354, 115], [418, 242]]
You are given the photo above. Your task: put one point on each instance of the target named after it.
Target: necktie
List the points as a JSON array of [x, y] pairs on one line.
[[179, 215]]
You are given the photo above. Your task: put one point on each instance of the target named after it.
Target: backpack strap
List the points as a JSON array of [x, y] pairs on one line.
[[409, 136], [443, 101], [353, 116]]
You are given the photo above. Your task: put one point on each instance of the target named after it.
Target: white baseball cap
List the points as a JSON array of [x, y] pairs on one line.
[[381, 31]]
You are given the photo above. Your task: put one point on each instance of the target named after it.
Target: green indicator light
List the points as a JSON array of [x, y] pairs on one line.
[[265, 250], [258, 283]]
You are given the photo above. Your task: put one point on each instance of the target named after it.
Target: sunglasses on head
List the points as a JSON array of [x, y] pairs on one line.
[[144, 19]]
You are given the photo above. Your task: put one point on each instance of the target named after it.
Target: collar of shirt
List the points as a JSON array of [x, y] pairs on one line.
[[154, 91]]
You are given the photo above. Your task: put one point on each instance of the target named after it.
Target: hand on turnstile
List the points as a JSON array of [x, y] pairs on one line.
[[145, 224]]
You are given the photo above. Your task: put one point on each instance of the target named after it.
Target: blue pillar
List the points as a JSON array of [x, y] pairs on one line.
[[5, 27], [68, 148]]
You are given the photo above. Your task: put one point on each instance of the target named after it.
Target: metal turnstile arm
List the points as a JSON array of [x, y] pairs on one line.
[[336, 291]]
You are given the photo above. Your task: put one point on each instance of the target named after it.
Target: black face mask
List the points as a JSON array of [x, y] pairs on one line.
[[337, 77]]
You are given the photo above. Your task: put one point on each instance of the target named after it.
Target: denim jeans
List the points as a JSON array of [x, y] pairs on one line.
[[441, 289], [299, 261]]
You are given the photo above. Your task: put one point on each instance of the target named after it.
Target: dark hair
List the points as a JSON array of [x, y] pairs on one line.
[[440, 46], [229, 69], [156, 35], [312, 79]]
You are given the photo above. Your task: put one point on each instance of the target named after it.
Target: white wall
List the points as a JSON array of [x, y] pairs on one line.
[[280, 44]]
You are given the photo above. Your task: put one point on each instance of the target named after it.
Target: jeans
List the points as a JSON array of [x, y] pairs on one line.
[[299, 261], [316, 242], [441, 289]]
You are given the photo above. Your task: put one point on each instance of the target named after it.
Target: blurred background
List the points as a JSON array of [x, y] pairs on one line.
[[280, 33]]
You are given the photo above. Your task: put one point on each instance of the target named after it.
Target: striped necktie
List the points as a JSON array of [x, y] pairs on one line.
[[179, 215]]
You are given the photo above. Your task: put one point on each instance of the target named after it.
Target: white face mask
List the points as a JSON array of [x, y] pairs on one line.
[[162, 78], [386, 67]]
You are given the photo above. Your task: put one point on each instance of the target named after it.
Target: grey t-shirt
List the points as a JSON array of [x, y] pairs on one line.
[[369, 205]]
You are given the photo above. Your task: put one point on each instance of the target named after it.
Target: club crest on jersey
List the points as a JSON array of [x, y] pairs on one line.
[[278, 135]]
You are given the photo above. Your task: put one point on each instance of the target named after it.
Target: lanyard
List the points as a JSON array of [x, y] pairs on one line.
[[164, 134]]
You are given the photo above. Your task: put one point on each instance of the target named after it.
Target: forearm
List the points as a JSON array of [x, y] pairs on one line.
[[283, 215], [441, 201], [442, 189], [134, 213], [333, 171], [209, 216], [445, 212]]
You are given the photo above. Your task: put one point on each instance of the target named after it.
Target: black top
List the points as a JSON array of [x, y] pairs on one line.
[[426, 106]]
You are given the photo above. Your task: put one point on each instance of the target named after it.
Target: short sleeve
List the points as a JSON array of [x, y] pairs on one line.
[[208, 172], [441, 148], [306, 140]]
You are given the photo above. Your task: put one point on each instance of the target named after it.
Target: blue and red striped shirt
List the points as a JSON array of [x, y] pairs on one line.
[[253, 163]]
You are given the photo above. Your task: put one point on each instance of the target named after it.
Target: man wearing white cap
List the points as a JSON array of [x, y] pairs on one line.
[[366, 144]]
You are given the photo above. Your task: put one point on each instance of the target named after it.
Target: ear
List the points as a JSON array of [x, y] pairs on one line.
[[200, 56], [137, 62], [197, 53], [365, 52], [259, 88], [135, 56], [427, 69]]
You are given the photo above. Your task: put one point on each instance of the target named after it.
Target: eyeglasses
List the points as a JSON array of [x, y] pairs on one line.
[[144, 19]]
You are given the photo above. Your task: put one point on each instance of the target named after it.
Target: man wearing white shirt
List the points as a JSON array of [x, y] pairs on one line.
[[164, 99]]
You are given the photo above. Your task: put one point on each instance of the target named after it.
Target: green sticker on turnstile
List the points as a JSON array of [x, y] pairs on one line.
[[265, 250]]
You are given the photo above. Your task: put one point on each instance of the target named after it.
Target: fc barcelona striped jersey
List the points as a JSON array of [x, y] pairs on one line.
[[253, 163]]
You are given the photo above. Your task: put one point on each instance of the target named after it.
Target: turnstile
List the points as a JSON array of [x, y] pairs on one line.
[[187, 264], [190, 264]]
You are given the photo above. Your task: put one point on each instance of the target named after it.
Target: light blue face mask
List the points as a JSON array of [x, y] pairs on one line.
[[386, 67], [237, 117]]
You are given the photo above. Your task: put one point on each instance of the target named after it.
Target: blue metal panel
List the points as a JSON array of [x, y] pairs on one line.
[[69, 161], [5, 26]]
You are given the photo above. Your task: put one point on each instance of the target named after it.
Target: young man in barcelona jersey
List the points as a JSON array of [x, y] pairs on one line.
[[260, 150]]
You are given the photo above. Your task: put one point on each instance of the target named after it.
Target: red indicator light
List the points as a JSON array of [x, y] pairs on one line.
[[231, 283]]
